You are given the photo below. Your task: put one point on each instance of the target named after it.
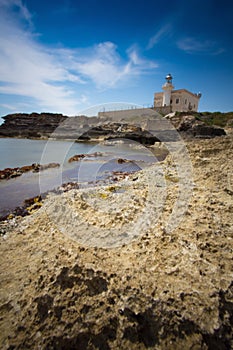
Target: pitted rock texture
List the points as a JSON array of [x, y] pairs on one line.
[[162, 290]]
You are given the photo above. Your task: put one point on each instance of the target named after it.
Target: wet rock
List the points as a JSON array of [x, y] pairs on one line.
[[41, 167], [78, 157], [10, 173], [122, 161]]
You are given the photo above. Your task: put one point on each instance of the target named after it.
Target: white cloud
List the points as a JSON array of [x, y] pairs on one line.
[[52, 76], [103, 65], [193, 46], [161, 34]]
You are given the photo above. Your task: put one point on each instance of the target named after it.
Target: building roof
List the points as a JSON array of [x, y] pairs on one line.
[[177, 91], [184, 90]]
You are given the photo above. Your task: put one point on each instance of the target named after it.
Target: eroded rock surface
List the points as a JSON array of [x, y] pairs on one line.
[[162, 290]]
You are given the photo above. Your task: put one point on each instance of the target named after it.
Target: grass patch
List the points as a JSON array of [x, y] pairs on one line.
[[212, 118]]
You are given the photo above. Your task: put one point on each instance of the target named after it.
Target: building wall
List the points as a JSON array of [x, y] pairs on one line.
[[181, 101], [127, 115], [158, 99], [163, 110]]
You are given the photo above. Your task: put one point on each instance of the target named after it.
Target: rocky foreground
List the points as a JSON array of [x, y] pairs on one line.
[[143, 264]]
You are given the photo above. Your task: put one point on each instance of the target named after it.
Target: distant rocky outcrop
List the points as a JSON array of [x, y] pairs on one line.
[[83, 128], [45, 125], [192, 125], [32, 125]]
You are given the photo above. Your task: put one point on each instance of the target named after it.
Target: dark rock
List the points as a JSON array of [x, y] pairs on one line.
[[32, 125], [9, 173], [120, 131], [31, 201], [77, 157], [205, 131], [47, 166], [67, 187], [197, 128], [187, 122], [43, 305], [96, 285], [122, 161], [84, 138]]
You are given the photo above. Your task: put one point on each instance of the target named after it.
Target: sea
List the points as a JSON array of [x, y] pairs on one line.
[[87, 172]]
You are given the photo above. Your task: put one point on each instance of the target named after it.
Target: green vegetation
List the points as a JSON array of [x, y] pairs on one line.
[[212, 118]]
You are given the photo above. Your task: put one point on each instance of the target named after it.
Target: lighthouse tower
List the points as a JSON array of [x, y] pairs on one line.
[[167, 88]]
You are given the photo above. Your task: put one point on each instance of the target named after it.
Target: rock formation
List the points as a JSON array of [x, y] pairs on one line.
[[190, 125], [162, 290], [9, 173], [32, 125], [110, 131], [84, 128]]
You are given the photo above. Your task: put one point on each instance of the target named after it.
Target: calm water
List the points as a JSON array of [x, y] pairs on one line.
[[19, 152]]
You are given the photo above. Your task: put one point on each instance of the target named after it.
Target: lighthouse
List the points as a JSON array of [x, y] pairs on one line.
[[167, 88]]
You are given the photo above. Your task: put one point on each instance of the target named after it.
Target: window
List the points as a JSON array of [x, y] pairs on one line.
[[177, 100], [193, 106], [185, 101], [171, 101]]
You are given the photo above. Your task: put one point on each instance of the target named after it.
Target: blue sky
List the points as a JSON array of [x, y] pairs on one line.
[[66, 56]]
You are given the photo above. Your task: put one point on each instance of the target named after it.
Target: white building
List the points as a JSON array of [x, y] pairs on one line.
[[175, 100]]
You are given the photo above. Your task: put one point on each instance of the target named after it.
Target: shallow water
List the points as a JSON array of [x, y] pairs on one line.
[[19, 152]]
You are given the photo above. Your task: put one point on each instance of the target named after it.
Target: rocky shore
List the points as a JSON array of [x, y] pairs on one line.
[[83, 128], [145, 263], [10, 173]]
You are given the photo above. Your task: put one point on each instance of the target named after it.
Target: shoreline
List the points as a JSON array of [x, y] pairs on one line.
[[10, 174]]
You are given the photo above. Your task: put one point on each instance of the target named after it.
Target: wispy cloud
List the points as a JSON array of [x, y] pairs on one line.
[[194, 46], [103, 65], [163, 32], [55, 77], [9, 6], [8, 106]]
